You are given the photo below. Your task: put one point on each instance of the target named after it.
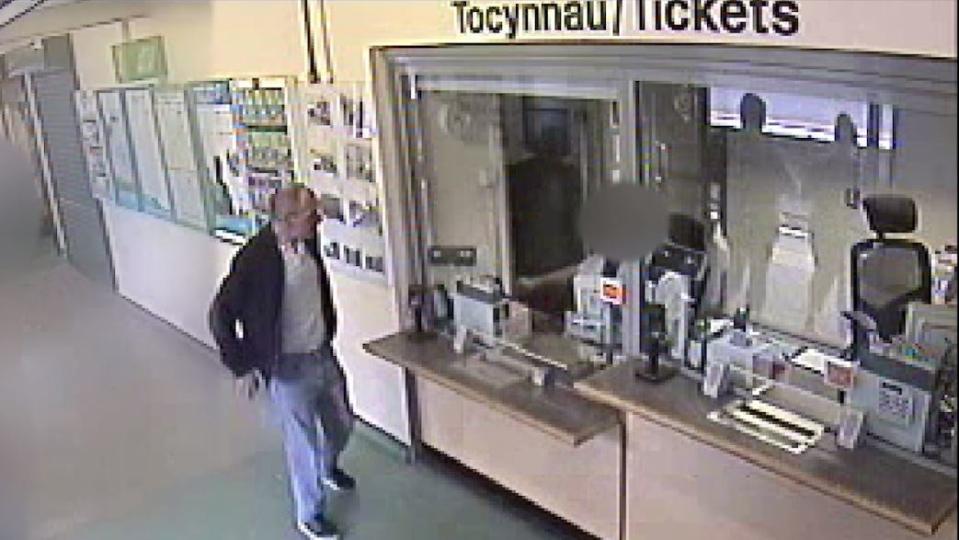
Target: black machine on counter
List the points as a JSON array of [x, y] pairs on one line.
[[674, 279], [644, 308]]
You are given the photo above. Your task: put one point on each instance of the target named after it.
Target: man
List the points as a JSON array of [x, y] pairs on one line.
[[545, 195], [274, 322]]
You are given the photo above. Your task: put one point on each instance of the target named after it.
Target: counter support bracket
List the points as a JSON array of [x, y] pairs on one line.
[[622, 476], [415, 448]]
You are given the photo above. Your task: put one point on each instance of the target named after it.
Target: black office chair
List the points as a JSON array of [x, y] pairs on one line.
[[888, 273]]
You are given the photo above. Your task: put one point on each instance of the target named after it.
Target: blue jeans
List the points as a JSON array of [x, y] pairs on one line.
[[310, 389]]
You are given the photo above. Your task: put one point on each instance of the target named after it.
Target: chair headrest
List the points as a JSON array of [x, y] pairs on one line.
[[891, 213]]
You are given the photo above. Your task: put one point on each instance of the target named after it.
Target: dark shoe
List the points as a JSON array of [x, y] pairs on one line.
[[319, 528], [339, 481]]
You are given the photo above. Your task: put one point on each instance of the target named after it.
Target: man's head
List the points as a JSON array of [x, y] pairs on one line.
[[845, 129], [550, 142], [752, 112], [294, 214]]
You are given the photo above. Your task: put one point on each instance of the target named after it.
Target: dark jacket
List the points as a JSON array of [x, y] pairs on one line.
[[251, 295]]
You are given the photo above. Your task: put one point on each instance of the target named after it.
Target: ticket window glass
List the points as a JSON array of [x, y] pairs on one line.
[[776, 172], [784, 198], [777, 180], [505, 173], [672, 151], [923, 166]]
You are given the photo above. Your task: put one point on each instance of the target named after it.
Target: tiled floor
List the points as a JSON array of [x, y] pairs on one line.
[[115, 426]]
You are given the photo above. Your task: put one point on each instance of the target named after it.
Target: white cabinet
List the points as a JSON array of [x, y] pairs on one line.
[[681, 489], [580, 484]]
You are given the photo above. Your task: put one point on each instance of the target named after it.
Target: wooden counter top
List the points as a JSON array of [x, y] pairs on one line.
[[867, 477], [558, 411]]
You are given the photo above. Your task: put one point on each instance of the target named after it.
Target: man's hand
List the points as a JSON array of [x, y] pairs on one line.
[[249, 385]]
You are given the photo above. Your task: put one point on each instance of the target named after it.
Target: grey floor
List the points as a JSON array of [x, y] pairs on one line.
[[115, 426]]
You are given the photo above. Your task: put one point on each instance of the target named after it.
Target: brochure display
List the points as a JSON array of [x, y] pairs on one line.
[[264, 135], [339, 140], [148, 156], [118, 148], [224, 187], [176, 137], [210, 154], [93, 141]]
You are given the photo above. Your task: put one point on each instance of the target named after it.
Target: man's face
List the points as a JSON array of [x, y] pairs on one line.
[[296, 216]]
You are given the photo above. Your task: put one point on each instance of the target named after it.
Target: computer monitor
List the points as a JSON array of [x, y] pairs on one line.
[[931, 327]]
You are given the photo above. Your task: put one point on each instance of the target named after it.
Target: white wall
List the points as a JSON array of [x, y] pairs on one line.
[[227, 38], [917, 27], [93, 56], [236, 37], [377, 388], [63, 18]]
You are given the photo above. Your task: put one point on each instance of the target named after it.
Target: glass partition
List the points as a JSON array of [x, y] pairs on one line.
[[505, 175], [790, 200], [766, 177], [790, 212]]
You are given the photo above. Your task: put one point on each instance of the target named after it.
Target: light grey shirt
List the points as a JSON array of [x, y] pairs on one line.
[[303, 326]]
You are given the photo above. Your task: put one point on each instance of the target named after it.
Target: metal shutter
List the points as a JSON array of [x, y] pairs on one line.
[[80, 213]]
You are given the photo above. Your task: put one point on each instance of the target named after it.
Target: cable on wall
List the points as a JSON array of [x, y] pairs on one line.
[[327, 56], [312, 67], [313, 73]]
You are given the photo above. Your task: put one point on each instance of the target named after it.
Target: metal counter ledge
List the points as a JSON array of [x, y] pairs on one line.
[[558, 411], [872, 479]]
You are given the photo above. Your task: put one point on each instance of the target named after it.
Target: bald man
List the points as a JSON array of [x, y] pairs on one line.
[[274, 322]]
